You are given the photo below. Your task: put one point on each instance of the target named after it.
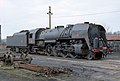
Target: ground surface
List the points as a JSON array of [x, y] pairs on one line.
[[107, 69]]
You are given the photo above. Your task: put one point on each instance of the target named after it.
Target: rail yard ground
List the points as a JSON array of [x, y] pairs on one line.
[[107, 69]]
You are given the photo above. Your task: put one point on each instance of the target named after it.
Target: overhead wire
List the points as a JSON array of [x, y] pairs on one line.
[[88, 14]]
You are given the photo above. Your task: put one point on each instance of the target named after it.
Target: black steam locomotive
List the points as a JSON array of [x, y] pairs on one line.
[[80, 40]]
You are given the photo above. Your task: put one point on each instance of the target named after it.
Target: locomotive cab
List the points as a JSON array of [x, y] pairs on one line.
[[34, 42]]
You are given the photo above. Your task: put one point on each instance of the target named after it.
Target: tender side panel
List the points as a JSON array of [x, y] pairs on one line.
[[17, 40]]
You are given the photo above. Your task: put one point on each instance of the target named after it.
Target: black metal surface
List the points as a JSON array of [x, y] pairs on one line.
[[82, 35]]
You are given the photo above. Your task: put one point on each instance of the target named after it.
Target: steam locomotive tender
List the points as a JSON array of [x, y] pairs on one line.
[[80, 40]]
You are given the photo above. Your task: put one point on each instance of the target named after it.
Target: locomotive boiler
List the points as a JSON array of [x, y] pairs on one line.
[[85, 40]]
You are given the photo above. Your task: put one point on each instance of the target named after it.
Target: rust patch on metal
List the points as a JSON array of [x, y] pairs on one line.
[[44, 69]]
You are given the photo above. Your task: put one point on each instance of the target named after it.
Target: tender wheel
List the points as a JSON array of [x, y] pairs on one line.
[[49, 50], [8, 59], [23, 56], [90, 56], [29, 59]]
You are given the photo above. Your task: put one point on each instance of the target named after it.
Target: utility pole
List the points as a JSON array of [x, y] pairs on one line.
[[49, 14]]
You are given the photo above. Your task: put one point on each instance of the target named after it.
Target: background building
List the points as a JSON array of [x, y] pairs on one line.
[[114, 41]]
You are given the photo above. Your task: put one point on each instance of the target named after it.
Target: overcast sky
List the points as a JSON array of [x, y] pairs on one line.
[[16, 15]]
